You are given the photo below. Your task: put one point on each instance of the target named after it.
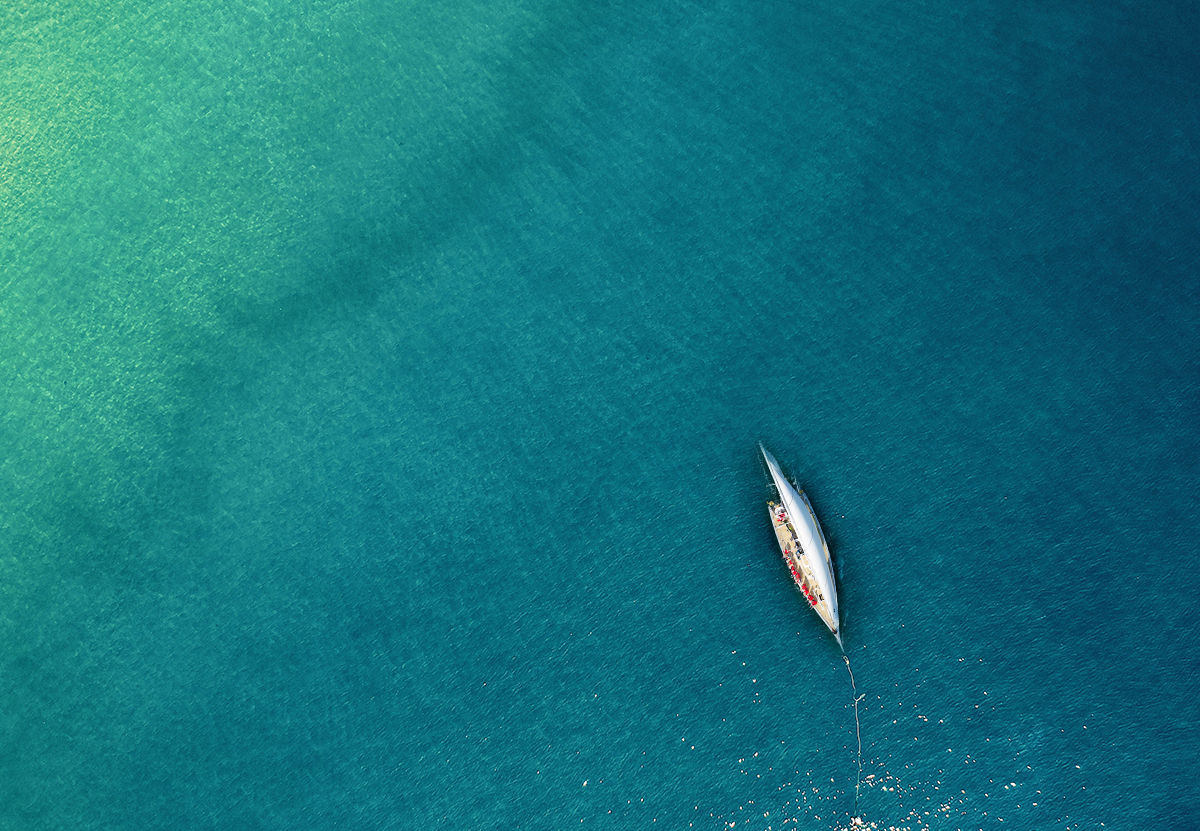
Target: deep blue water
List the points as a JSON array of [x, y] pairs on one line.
[[383, 383]]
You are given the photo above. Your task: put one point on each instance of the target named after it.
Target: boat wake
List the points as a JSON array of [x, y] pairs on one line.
[[858, 733]]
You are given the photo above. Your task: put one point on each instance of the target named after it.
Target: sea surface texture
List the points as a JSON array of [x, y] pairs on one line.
[[382, 384]]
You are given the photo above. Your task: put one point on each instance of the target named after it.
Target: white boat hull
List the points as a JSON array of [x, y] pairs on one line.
[[803, 545]]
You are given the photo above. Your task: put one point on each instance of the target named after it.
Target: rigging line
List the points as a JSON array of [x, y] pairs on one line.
[[857, 730]]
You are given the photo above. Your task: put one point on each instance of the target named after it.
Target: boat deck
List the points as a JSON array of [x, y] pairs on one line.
[[795, 558]]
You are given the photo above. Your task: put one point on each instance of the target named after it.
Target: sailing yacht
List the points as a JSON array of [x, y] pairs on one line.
[[803, 545]]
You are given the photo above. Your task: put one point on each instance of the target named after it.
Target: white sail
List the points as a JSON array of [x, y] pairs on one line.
[[815, 551]]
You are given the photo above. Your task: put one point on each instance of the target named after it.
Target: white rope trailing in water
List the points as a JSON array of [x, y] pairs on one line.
[[857, 731]]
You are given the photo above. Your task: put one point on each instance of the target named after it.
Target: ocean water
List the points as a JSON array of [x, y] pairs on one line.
[[382, 383]]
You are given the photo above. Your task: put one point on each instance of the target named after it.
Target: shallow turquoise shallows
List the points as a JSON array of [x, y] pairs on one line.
[[382, 385]]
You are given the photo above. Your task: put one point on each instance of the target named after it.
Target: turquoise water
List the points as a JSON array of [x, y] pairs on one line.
[[382, 386]]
